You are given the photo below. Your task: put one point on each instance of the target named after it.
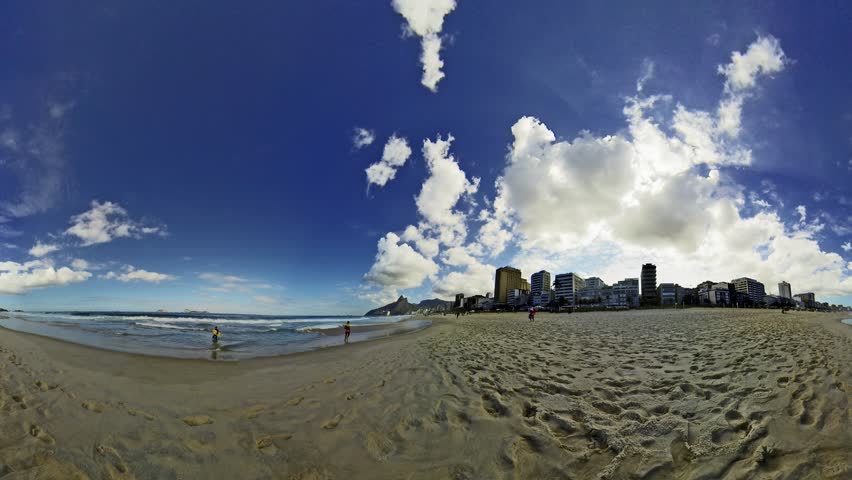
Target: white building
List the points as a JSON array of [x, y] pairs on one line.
[[625, 294], [784, 290], [568, 284], [517, 297]]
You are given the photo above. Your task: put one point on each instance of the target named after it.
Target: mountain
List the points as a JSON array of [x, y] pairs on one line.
[[402, 307]]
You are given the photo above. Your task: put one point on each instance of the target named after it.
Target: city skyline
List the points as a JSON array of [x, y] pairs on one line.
[[413, 151]]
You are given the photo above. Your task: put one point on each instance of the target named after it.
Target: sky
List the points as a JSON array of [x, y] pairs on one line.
[[326, 157]]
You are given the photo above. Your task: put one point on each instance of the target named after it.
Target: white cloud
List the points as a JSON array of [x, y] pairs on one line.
[[363, 137], [17, 278], [763, 57], [42, 249], [846, 246], [132, 274], [442, 190], [395, 154], [398, 265], [803, 213], [645, 74], [79, 264], [425, 18], [105, 222]]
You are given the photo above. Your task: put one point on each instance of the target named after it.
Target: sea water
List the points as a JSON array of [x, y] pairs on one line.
[[847, 321], [187, 335]]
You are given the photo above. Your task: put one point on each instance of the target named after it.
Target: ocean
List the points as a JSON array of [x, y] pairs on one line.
[[187, 335]]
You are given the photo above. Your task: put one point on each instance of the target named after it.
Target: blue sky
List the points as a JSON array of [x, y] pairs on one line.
[[217, 141]]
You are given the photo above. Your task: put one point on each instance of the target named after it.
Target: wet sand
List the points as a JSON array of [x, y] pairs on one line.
[[643, 394]]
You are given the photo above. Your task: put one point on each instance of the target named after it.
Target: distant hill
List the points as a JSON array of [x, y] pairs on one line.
[[402, 307]]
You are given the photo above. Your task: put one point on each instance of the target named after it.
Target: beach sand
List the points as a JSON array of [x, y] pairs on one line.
[[643, 394]]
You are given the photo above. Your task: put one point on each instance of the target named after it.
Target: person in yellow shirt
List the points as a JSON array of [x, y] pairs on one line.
[[215, 334]]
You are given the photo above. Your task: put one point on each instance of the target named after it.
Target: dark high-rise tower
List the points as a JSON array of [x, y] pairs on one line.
[[649, 284]]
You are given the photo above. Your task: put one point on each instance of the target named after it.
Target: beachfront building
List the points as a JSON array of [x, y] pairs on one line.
[[667, 293], [625, 294], [459, 301], [772, 300], [540, 282], [542, 299], [567, 286], [686, 296], [525, 285], [506, 278], [718, 294], [649, 284], [594, 292], [784, 290], [808, 299], [517, 297], [750, 288]]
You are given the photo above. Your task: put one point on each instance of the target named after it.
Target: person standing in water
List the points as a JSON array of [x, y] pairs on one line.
[[215, 334], [347, 329]]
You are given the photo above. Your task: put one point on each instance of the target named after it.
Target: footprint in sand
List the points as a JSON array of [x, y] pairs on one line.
[[295, 401], [40, 434], [379, 446], [93, 406], [332, 424], [115, 466], [196, 420], [140, 413], [270, 444]]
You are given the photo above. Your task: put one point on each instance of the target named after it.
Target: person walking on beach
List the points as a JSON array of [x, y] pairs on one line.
[[532, 313], [215, 334], [347, 330]]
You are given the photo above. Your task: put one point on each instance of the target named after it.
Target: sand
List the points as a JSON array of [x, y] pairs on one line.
[[644, 394]]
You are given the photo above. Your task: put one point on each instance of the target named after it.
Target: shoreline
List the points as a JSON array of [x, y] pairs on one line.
[[327, 339]]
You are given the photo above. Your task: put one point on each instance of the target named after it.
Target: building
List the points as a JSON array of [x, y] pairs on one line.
[[772, 300], [517, 297], [506, 278], [525, 285], [784, 290], [686, 296], [476, 302], [567, 286], [808, 299], [540, 282], [625, 294], [459, 301], [594, 292], [649, 284], [667, 293], [750, 288], [542, 299]]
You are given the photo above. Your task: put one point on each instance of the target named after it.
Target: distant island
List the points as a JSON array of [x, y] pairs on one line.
[[402, 307]]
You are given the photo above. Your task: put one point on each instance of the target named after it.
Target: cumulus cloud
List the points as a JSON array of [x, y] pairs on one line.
[[106, 221], [846, 246], [803, 213], [42, 249], [20, 278], [425, 18], [132, 274], [363, 137], [79, 264], [395, 154], [763, 57], [398, 265]]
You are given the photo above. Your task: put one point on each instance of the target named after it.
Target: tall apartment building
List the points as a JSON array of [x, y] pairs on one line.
[[506, 278], [525, 285], [649, 284], [784, 290], [459, 301], [567, 286], [540, 282], [750, 288]]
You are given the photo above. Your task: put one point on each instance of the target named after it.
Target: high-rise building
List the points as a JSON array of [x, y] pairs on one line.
[[459, 302], [784, 290], [525, 285], [506, 278], [750, 288], [540, 282], [567, 285], [649, 284], [808, 299]]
